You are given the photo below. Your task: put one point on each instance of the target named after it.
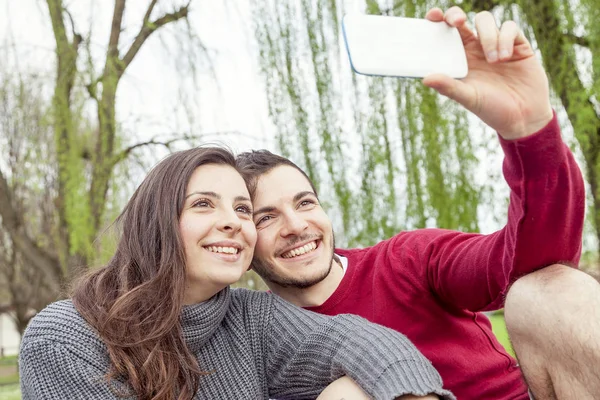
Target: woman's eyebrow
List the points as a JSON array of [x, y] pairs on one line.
[[210, 194], [218, 196]]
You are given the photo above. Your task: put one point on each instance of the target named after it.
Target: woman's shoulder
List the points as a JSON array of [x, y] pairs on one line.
[[251, 297], [263, 303], [251, 301], [60, 323]]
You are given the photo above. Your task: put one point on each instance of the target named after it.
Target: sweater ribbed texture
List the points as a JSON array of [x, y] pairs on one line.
[[258, 345]]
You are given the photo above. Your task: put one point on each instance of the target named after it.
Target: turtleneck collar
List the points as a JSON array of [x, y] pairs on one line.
[[200, 321]]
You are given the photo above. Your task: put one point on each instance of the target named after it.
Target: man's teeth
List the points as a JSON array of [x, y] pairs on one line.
[[227, 250], [300, 250]]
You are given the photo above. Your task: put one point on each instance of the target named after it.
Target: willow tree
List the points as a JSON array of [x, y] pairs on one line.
[[568, 37], [25, 139], [387, 154], [417, 162], [83, 157]]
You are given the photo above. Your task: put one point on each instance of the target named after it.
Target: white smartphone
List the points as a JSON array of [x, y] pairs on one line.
[[403, 47]]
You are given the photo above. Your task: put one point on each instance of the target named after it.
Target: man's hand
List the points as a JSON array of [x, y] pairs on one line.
[[506, 85], [347, 389]]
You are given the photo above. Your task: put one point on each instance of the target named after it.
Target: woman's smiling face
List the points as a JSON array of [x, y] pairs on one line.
[[217, 231]]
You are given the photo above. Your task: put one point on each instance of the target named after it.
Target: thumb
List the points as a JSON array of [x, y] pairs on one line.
[[452, 88]]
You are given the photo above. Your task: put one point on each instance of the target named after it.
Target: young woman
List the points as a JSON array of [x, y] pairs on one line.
[[160, 322]]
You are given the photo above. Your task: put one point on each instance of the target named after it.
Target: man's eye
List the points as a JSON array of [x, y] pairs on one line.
[[263, 219], [306, 203]]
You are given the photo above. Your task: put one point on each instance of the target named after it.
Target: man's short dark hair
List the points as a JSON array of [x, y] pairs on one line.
[[255, 163]]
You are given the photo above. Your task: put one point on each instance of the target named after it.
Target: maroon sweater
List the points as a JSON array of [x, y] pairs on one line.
[[430, 284]]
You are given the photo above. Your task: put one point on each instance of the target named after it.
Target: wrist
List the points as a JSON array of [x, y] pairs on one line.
[[530, 127]]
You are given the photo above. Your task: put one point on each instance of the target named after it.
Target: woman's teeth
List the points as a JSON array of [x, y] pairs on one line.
[[226, 250]]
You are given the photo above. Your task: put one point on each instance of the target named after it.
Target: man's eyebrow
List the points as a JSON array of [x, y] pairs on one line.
[[263, 210], [302, 194], [210, 194], [242, 198], [297, 197]]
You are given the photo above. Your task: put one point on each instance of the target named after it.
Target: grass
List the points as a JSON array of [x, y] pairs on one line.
[[499, 329], [10, 392], [9, 379], [8, 360]]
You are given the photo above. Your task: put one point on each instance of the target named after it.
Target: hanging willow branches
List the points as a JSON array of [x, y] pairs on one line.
[[387, 154]]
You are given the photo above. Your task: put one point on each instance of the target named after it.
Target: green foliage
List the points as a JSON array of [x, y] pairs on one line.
[[568, 37], [416, 159], [415, 164]]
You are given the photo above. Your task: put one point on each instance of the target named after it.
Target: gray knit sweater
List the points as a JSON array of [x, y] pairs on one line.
[[258, 345]]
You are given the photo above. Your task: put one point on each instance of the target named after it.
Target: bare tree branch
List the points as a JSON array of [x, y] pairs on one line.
[[124, 154], [92, 89], [28, 248], [149, 12], [58, 24], [115, 29], [148, 28], [580, 40], [152, 142], [71, 21], [10, 218]]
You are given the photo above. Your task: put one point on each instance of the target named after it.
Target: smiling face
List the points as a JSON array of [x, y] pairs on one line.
[[295, 239], [217, 231]]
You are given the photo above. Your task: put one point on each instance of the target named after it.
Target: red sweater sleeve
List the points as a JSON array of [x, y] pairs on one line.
[[545, 224]]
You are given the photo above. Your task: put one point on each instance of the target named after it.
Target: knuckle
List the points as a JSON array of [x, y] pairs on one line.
[[509, 25], [454, 10], [483, 15]]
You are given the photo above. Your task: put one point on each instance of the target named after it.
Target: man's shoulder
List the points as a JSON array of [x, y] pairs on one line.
[[409, 238]]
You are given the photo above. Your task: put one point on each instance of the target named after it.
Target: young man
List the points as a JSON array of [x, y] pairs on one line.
[[431, 284]]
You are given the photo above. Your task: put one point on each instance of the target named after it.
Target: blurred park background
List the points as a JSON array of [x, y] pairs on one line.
[[93, 93]]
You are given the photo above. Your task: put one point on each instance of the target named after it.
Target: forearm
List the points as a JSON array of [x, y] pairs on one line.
[[544, 227], [383, 362], [346, 389]]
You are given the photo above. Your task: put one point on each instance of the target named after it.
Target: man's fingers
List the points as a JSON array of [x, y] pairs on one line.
[[454, 14], [488, 35], [435, 14], [453, 89], [456, 17], [509, 32]]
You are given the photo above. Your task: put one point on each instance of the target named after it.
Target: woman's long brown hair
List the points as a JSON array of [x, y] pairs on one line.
[[135, 301]]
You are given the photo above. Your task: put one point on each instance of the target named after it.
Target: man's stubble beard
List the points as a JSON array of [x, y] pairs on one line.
[[266, 271]]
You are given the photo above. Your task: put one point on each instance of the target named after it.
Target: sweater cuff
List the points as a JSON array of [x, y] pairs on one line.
[[536, 154], [414, 377]]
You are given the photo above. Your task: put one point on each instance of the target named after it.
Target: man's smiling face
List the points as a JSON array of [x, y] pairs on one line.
[[295, 239]]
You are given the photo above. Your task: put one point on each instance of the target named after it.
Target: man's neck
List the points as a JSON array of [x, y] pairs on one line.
[[314, 295]]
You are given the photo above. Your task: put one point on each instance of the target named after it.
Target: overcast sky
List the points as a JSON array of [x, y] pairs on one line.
[[159, 94]]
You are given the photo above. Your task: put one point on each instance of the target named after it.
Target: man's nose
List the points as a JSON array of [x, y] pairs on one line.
[[293, 225]]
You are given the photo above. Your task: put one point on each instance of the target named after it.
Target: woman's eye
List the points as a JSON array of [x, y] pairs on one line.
[[202, 203], [244, 209]]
